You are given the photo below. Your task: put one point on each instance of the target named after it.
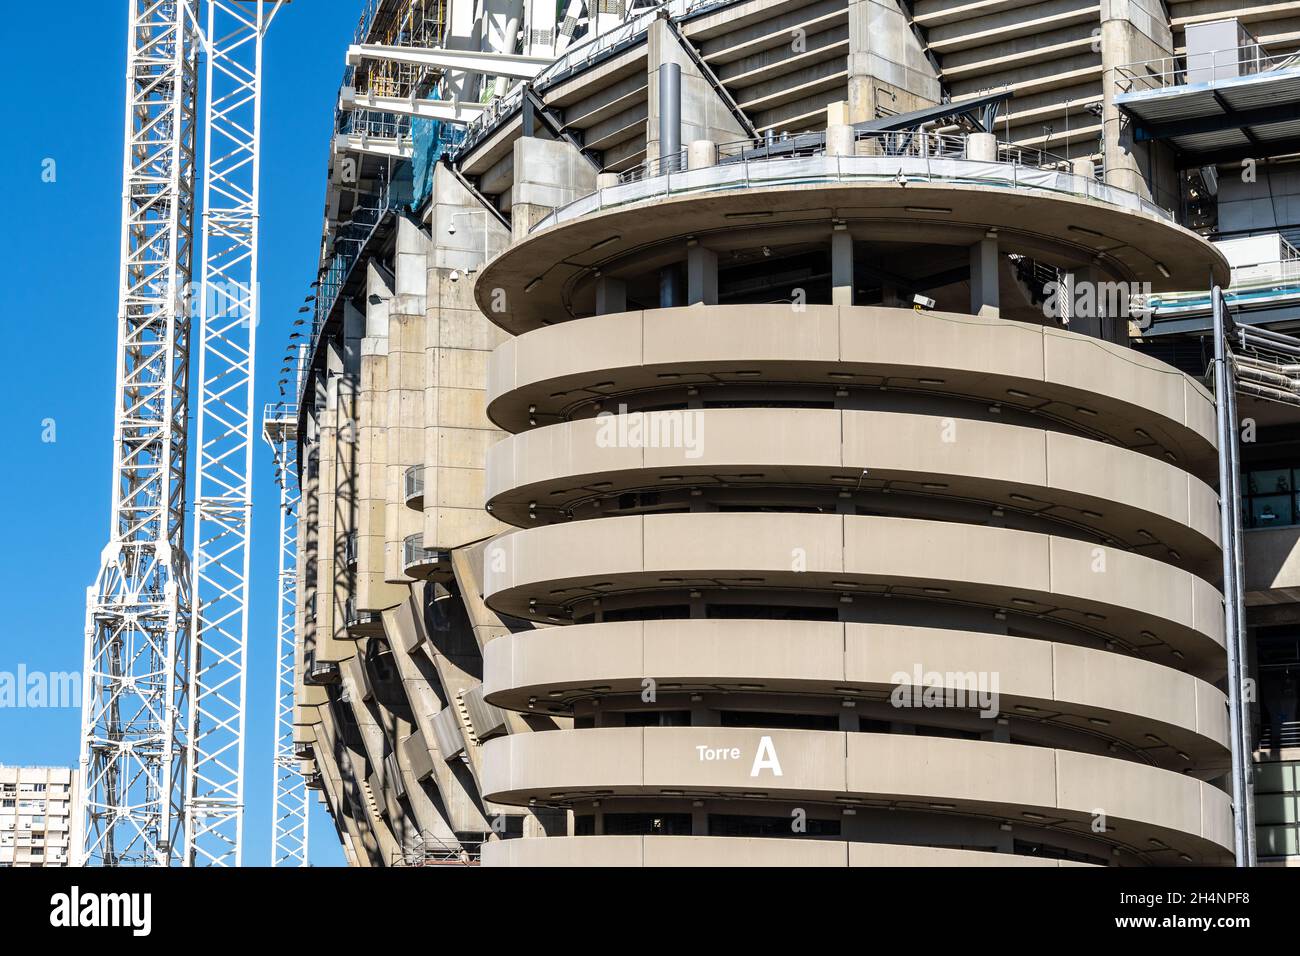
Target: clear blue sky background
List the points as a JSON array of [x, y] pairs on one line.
[[61, 245]]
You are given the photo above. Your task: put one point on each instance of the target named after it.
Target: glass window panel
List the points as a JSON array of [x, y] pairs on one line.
[[1270, 511], [1270, 481]]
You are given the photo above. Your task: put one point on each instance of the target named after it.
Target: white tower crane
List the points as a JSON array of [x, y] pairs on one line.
[[290, 799], [166, 641]]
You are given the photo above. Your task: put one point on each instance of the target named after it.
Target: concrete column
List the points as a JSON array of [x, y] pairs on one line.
[[669, 287], [701, 275], [1083, 166], [984, 278], [887, 66], [457, 340], [840, 141], [606, 180], [1085, 313], [699, 821], [702, 153], [611, 295], [1130, 34], [548, 173], [703, 115], [841, 266], [982, 147]]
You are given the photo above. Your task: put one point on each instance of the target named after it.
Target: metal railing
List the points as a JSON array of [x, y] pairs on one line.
[[903, 157], [1249, 282], [414, 551], [413, 482], [428, 851], [353, 616], [1167, 72]]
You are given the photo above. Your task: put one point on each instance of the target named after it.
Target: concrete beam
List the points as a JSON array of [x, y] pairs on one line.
[[513, 65], [448, 111]]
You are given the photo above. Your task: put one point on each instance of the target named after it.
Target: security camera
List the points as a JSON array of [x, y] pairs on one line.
[[455, 275], [920, 302], [451, 230]]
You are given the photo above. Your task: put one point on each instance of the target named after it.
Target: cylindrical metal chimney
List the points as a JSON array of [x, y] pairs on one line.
[[670, 117]]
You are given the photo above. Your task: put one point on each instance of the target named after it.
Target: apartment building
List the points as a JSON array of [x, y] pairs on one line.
[[37, 816], [778, 432]]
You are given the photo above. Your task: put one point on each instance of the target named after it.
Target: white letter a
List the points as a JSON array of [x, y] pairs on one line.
[[765, 758]]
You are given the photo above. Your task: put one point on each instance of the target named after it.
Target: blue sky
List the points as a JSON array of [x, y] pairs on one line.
[[61, 246]]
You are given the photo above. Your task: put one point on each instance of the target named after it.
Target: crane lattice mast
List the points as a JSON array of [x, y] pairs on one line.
[[290, 799], [163, 702]]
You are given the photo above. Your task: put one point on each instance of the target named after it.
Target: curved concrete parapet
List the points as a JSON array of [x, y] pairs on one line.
[[549, 275], [1119, 494], [1142, 806], [626, 851], [1162, 611], [1093, 386], [1114, 696]]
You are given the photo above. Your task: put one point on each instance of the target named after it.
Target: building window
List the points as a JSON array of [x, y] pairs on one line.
[[1270, 498], [1278, 663], [647, 824], [657, 718], [749, 825]]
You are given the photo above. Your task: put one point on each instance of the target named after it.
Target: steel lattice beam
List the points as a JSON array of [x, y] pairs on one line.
[[137, 612], [291, 802], [228, 316]]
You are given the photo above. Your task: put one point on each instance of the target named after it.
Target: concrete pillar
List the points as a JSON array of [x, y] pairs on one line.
[[702, 153], [840, 140], [982, 147], [699, 821], [1130, 34], [984, 278], [548, 173], [606, 180], [841, 266], [1083, 166], [611, 295], [458, 338], [669, 287], [701, 275], [887, 66], [1081, 290], [703, 114]]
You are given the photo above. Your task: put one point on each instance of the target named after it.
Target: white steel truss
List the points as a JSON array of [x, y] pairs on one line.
[[137, 612], [291, 802], [214, 788]]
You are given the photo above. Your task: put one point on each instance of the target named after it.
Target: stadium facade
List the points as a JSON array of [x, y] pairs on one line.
[[778, 433]]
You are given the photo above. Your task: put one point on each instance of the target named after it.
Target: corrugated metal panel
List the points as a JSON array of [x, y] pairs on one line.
[[1201, 142], [1276, 131], [447, 731]]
